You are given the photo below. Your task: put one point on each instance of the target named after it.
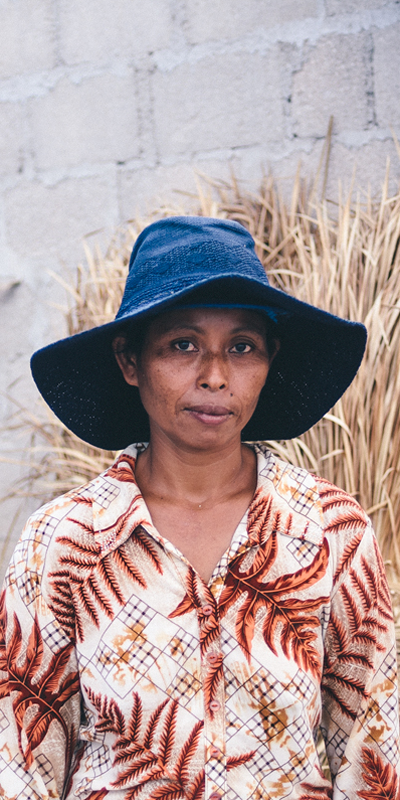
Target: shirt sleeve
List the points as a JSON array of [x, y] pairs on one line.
[[359, 683], [39, 685]]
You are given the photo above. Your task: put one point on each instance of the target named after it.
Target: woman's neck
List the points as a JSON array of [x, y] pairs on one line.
[[197, 478], [196, 502]]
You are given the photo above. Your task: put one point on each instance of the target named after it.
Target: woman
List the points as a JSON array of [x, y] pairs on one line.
[[183, 626]]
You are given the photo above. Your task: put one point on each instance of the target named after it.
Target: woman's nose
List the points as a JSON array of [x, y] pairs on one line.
[[213, 372]]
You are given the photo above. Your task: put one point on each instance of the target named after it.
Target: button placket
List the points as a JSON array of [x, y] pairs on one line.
[[214, 723], [215, 785]]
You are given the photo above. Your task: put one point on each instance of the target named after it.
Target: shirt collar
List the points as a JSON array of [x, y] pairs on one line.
[[289, 495]]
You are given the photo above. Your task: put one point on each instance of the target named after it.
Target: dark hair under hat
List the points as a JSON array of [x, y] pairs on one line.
[[202, 261]]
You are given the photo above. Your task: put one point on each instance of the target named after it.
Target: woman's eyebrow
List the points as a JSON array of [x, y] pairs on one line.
[[190, 326], [250, 328], [177, 326]]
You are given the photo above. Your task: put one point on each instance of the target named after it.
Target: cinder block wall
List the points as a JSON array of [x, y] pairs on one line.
[[107, 105]]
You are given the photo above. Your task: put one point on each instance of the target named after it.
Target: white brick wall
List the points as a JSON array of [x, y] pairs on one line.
[[232, 19], [222, 101], [47, 221], [13, 138], [81, 122], [107, 106], [27, 36], [98, 32], [333, 75], [387, 75]]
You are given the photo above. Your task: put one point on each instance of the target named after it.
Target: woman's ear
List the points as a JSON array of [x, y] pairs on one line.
[[126, 360], [272, 352]]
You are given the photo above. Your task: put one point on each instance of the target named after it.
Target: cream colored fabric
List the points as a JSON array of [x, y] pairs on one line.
[[191, 690]]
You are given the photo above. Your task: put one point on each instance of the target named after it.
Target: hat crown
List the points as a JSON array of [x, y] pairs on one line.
[[179, 252], [165, 235]]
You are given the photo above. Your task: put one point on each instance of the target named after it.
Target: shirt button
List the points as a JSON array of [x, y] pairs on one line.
[[215, 796], [215, 705], [207, 610], [215, 752], [213, 657]]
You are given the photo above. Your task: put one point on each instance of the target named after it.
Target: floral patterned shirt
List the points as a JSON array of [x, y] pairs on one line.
[[124, 676]]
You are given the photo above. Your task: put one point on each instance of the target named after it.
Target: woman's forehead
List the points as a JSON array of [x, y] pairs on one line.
[[205, 318]]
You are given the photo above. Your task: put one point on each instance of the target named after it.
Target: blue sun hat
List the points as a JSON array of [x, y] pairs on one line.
[[200, 261]]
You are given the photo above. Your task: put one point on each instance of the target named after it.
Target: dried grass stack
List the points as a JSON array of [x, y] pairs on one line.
[[346, 260]]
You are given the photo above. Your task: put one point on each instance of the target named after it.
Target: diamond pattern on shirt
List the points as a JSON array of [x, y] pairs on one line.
[[300, 500], [103, 493], [183, 646], [186, 686], [29, 586], [99, 758], [337, 741], [136, 611], [303, 551], [55, 638], [4, 723], [301, 685], [133, 661], [216, 773], [13, 774], [262, 684], [45, 768], [391, 749], [388, 666], [390, 709]]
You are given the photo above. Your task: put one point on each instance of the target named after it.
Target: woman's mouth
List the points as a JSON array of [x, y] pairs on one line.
[[210, 414]]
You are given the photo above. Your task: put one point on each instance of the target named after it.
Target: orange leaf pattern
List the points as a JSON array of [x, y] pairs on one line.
[[124, 676], [381, 778]]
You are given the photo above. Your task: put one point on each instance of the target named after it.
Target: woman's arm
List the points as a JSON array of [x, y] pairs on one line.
[[39, 685], [360, 697]]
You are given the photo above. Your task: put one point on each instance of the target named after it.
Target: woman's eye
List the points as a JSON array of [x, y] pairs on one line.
[[241, 347], [184, 345]]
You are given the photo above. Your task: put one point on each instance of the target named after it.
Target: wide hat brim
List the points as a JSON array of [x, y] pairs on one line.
[[317, 360]]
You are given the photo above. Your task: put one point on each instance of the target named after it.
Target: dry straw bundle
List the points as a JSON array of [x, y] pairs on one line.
[[344, 258]]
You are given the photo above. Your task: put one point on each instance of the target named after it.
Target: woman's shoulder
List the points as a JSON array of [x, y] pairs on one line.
[[309, 494], [79, 519], [314, 510], [65, 516]]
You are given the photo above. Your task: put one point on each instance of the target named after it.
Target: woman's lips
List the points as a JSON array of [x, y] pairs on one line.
[[211, 415]]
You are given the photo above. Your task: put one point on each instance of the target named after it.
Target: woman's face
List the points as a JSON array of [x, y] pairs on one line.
[[200, 374]]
